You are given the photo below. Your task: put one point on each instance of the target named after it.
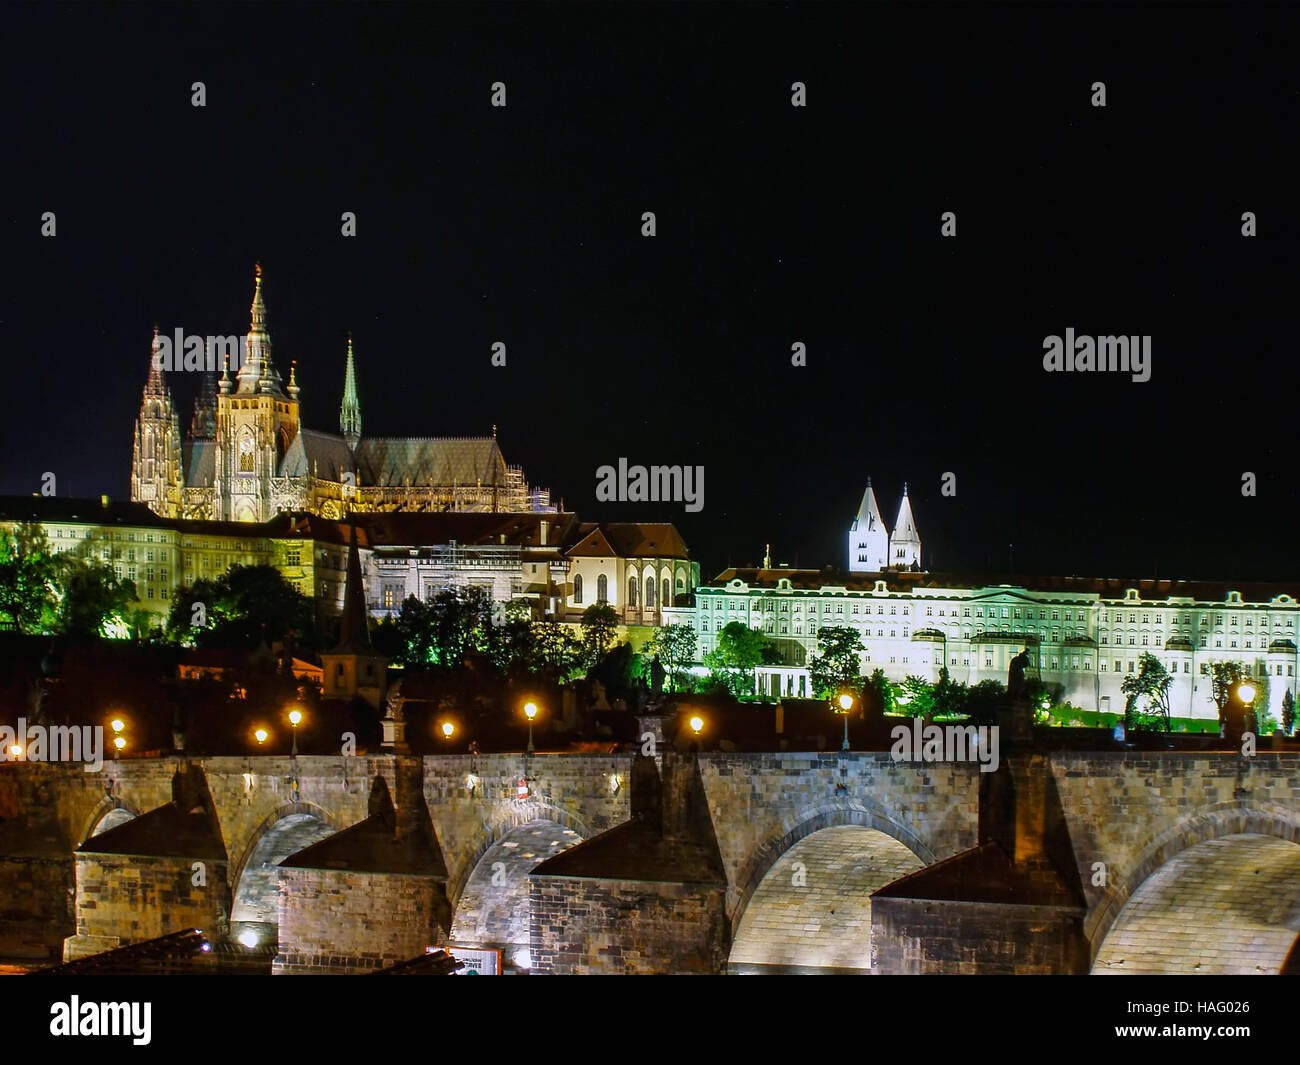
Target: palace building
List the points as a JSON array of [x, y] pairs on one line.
[[247, 456], [1084, 635]]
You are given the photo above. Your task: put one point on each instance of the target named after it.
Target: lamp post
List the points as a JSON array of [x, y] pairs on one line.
[[295, 719], [448, 730], [530, 712], [119, 741], [846, 704], [1246, 693]]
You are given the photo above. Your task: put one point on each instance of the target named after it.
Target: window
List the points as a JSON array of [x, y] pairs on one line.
[[649, 593], [667, 599], [577, 587], [632, 586]]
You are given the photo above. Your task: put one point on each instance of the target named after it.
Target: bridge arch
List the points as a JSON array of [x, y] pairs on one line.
[[512, 817], [844, 813], [812, 910], [492, 905], [1223, 821], [286, 830]]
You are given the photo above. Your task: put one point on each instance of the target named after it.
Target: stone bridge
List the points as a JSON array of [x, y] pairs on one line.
[[571, 863]]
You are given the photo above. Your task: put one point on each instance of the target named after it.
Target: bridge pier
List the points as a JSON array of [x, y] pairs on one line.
[[648, 896]]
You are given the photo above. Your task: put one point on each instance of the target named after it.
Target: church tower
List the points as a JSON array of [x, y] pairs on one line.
[[868, 539], [156, 477], [905, 543], [350, 411], [257, 420]]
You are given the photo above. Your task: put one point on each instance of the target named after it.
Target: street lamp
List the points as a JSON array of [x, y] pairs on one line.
[[448, 729], [530, 712], [261, 735], [696, 723], [119, 741], [846, 704], [295, 719]]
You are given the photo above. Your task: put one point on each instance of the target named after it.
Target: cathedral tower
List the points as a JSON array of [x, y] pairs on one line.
[[257, 420], [156, 453], [905, 543], [350, 411], [868, 539]]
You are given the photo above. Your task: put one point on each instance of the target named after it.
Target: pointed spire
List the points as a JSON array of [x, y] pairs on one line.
[[293, 388], [869, 518], [350, 411], [155, 385], [203, 426], [354, 635], [258, 373]]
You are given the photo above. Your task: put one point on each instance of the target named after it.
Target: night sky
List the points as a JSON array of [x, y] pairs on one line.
[[775, 225]]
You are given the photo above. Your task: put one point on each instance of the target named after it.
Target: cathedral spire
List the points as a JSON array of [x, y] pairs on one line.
[[905, 543], [350, 411], [354, 636], [258, 373], [868, 538]]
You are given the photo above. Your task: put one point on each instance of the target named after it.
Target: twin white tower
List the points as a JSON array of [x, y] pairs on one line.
[[872, 548]]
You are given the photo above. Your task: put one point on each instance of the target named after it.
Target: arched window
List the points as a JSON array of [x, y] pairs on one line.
[[649, 593], [602, 589], [632, 585], [668, 594], [577, 587]]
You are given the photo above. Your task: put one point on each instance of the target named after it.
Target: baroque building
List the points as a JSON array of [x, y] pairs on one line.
[[1084, 635], [248, 457]]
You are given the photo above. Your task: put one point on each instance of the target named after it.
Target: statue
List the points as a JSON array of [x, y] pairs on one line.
[[1016, 674], [395, 702]]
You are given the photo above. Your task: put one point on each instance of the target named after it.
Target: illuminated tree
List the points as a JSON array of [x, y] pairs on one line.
[[836, 666], [599, 628], [675, 646], [1147, 695], [27, 579], [739, 650]]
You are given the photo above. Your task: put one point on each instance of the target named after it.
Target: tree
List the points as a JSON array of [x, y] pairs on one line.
[[878, 694], [557, 648], [27, 588], [675, 646], [1223, 677], [92, 597], [916, 696], [739, 650], [509, 644], [599, 629], [243, 607], [457, 619], [1288, 712], [984, 700], [836, 666], [1147, 692], [414, 633]]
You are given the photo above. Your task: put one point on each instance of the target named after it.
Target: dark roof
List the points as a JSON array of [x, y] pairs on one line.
[[636, 850], [427, 460], [372, 846], [1110, 588], [200, 463], [317, 454], [45, 509], [167, 831], [629, 540], [400, 529], [986, 874]]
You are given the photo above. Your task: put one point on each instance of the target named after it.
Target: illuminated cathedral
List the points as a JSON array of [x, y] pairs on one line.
[[247, 456]]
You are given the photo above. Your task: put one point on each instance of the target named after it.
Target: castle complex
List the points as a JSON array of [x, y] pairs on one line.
[[247, 456]]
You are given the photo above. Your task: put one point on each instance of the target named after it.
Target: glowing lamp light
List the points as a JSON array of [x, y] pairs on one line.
[[448, 728], [1247, 693], [117, 724], [295, 717], [206, 947], [119, 742], [530, 711], [696, 723], [524, 960], [16, 749], [260, 735], [248, 939], [846, 701]]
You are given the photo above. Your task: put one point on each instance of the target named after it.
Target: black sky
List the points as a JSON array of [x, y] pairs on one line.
[[775, 225]]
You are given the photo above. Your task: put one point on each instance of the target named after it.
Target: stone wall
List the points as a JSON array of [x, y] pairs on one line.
[[915, 937], [125, 899], [336, 922], [36, 912], [626, 927]]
